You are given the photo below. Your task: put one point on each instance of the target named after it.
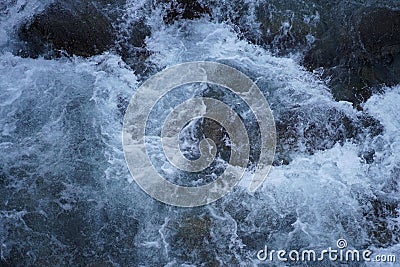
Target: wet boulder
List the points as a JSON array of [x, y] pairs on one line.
[[312, 129], [132, 46], [352, 45], [379, 31], [357, 53], [286, 26], [77, 28], [184, 9]]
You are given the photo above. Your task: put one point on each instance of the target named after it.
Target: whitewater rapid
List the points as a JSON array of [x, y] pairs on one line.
[[61, 154]]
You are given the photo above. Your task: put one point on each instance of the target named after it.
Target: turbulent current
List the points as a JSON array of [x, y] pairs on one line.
[[67, 197]]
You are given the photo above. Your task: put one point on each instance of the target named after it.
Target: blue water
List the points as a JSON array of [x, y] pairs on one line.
[[67, 198]]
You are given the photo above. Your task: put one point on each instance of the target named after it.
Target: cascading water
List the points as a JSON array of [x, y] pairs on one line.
[[67, 198]]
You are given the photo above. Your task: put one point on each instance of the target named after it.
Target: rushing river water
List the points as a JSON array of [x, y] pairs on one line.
[[68, 199]]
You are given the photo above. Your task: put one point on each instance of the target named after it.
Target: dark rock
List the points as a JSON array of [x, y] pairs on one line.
[[353, 45], [286, 26], [368, 156], [132, 46], [298, 131], [78, 28], [191, 239], [357, 53], [317, 129], [216, 132], [381, 210], [381, 213], [184, 9], [132, 32], [379, 31]]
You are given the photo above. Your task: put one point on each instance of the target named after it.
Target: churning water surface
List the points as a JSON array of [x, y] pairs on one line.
[[67, 198]]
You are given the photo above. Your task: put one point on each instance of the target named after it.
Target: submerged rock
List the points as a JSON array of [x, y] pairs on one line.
[[299, 132], [78, 28], [287, 26], [132, 46]]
